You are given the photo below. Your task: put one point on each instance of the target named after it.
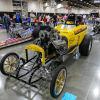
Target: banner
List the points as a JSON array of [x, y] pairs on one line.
[[69, 8], [52, 3], [96, 1], [94, 11]]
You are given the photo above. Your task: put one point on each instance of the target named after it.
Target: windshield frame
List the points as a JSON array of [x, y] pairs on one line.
[[67, 26]]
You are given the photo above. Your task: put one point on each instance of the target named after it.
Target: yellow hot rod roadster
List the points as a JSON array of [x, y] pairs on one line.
[[51, 47]]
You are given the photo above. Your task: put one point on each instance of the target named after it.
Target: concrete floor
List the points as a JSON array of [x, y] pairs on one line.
[[83, 79]]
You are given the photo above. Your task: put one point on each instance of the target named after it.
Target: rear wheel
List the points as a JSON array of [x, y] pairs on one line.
[[86, 45], [36, 32], [58, 81], [9, 63]]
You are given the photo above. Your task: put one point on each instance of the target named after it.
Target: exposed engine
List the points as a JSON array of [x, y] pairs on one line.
[[19, 31], [51, 41]]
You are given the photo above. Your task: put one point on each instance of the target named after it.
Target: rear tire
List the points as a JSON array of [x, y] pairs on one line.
[[36, 32], [86, 45]]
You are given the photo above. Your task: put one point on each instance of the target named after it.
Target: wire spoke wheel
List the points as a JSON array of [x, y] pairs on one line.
[[58, 81], [9, 63]]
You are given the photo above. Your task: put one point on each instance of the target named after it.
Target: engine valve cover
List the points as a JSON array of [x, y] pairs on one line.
[[59, 44]]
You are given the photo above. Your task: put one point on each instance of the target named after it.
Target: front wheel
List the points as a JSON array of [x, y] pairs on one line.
[[8, 63], [58, 81]]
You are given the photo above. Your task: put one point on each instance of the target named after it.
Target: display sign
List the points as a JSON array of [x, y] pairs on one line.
[[96, 1], [94, 11], [52, 3], [69, 8]]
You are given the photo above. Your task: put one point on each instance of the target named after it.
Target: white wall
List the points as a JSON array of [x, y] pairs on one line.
[[49, 10], [87, 11], [75, 10], [36, 6], [61, 10], [6, 6]]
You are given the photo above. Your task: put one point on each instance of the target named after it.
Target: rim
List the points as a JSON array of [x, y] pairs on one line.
[[60, 81], [10, 64], [90, 46]]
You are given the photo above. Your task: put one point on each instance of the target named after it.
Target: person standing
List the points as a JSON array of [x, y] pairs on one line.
[[32, 17], [9, 20], [43, 17], [0, 17], [40, 18], [58, 18], [18, 17], [88, 19], [93, 20], [84, 19], [6, 22], [65, 17], [14, 18], [45, 20], [92, 15], [55, 20], [48, 18]]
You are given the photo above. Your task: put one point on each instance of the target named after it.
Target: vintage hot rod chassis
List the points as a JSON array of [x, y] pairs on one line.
[[39, 67], [45, 64]]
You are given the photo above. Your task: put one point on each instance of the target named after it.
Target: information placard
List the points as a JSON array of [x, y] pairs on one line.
[[96, 1]]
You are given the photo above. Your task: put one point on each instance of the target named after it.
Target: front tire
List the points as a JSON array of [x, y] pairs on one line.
[[86, 45], [58, 81], [7, 63]]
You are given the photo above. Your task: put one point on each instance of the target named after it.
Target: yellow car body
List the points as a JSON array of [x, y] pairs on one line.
[[74, 35]]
